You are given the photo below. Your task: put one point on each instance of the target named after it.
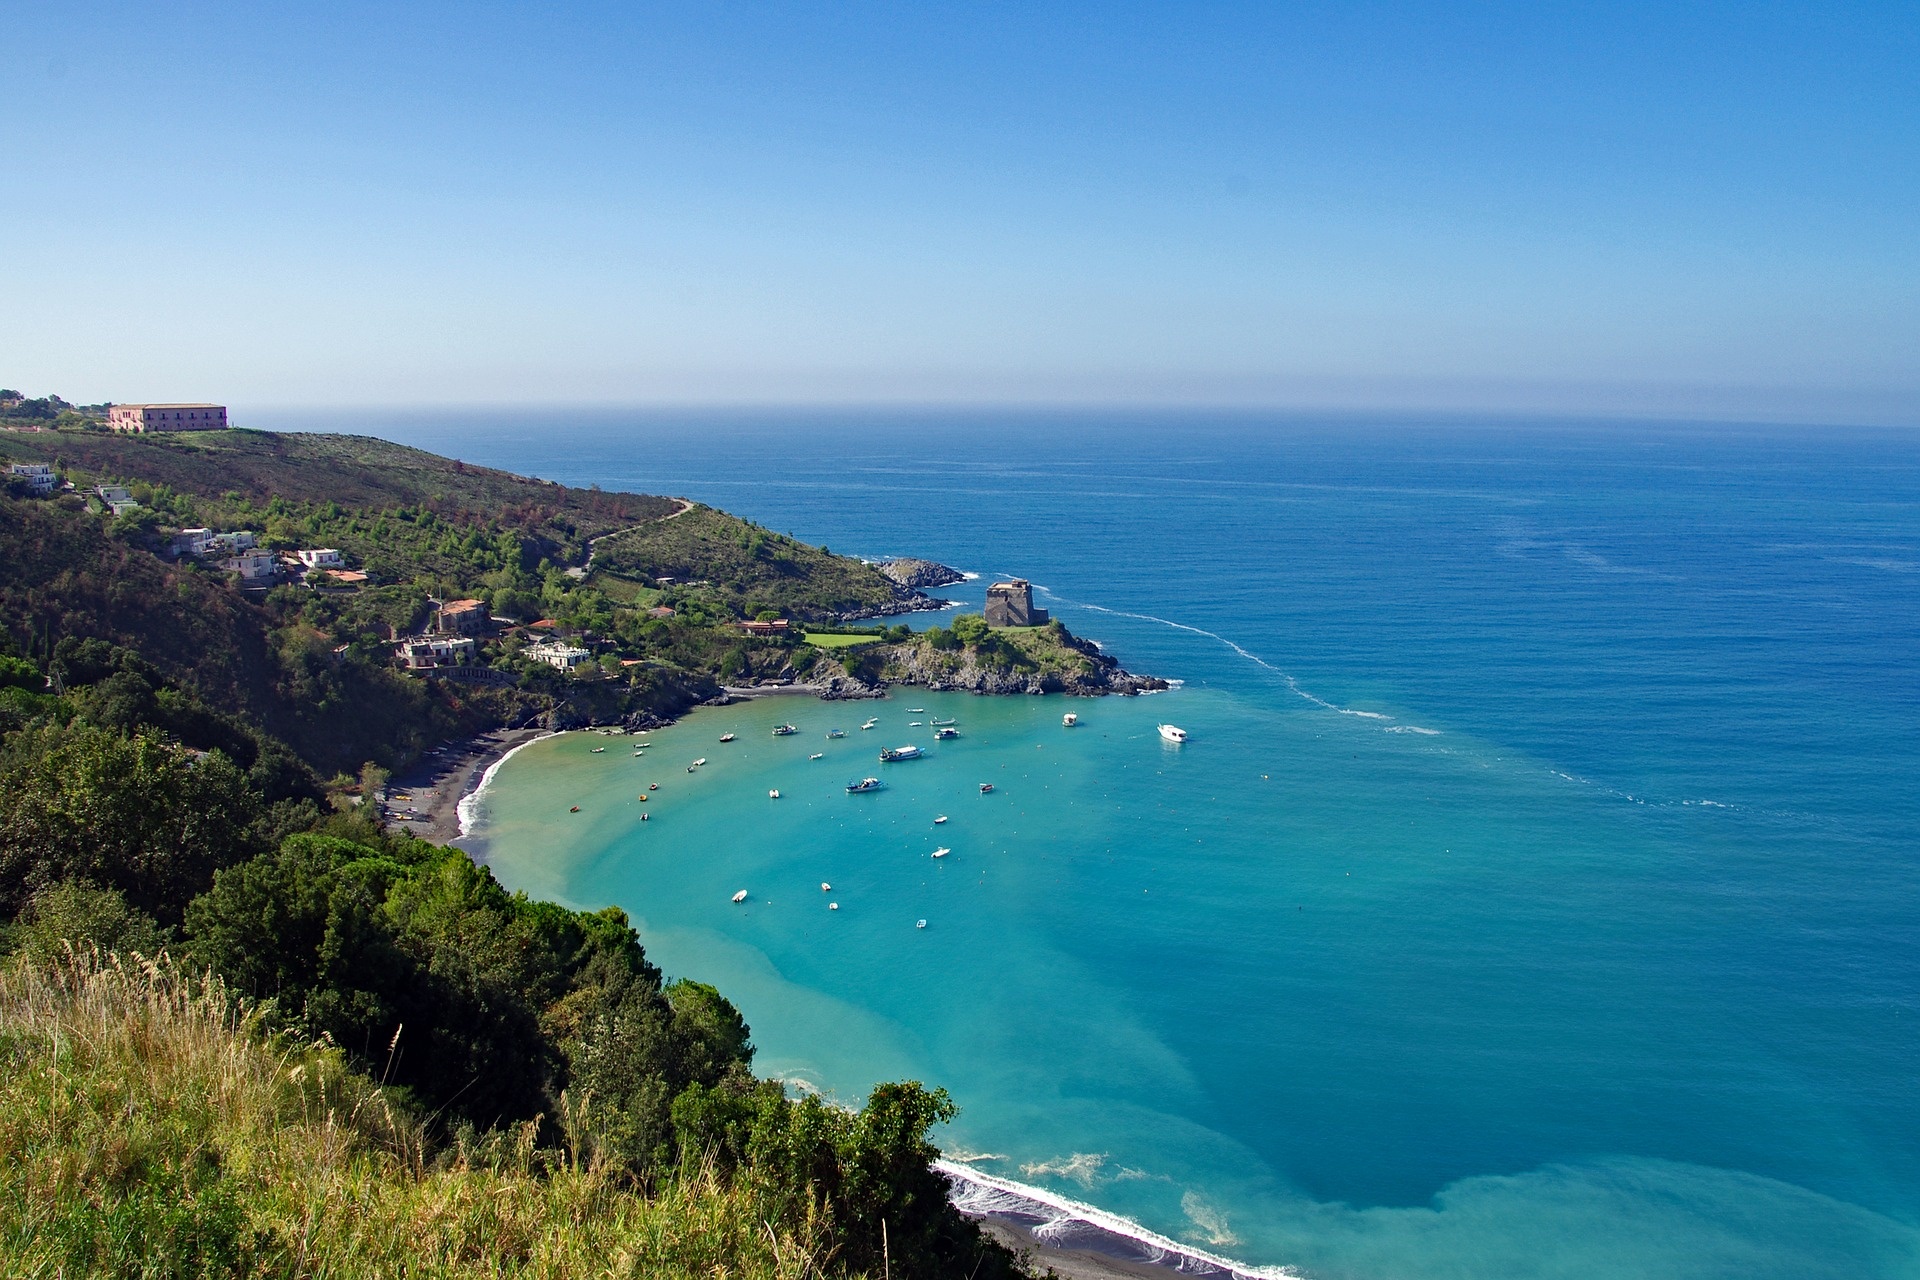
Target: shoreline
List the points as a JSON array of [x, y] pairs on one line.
[[1081, 1241], [440, 787]]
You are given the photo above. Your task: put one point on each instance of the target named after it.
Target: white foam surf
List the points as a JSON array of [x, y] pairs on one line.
[[468, 809], [1063, 1221]]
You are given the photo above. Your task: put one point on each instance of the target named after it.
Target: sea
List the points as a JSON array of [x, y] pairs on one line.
[[1537, 893]]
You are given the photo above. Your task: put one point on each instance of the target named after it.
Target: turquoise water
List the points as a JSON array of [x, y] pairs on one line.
[[1536, 897]]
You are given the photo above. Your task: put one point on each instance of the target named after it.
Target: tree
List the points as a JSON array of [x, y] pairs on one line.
[[128, 813]]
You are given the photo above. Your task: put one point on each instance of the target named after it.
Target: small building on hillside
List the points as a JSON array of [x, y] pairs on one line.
[[1010, 604], [256, 568], [142, 418], [556, 653], [118, 499], [38, 475], [192, 542], [434, 652], [778, 627], [464, 617], [322, 558], [231, 543], [659, 611]]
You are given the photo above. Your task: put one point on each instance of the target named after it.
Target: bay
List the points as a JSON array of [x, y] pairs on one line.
[[1536, 896]]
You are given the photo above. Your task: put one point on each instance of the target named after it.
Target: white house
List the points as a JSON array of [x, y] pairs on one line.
[[436, 651], [253, 566], [556, 653], [37, 474], [118, 500], [192, 542], [321, 558]]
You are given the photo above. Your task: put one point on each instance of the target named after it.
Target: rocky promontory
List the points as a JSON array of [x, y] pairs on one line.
[[1040, 660], [917, 575]]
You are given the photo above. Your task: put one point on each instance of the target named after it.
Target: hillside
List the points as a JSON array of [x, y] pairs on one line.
[[751, 567]]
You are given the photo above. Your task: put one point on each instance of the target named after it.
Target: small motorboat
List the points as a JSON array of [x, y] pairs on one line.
[[815, 756], [645, 816], [915, 710], [833, 906], [653, 786], [1069, 720], [740, 896], [865, 784], [872, 721], [642, 797], [937, 721], [836, 733], [919, 924], [575, 809], [825, 887], [890, 754], [940, 821], [598, 750], [1173, 733], [942, 852], [784, 730], [697, 763], [944, 733], [726, 737], [638, 754], [913, 724], [986, 788], [773, 794]]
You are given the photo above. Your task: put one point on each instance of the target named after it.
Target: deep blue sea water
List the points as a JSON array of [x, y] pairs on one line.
[[1538, 896]]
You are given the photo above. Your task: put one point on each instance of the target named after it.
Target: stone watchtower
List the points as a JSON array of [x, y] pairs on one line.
[[1010, 604]]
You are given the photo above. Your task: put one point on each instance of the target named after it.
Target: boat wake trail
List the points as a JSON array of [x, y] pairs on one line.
[[1286, 677]]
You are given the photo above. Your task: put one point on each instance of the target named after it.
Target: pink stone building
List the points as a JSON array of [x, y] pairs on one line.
[[167, 417]]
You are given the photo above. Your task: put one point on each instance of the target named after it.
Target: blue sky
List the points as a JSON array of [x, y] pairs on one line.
[[1690, 209]]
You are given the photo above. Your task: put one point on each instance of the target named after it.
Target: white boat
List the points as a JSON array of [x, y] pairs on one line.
[[865, 784], [890, 754], [825, 887], [1069, 720], [919, 924], [936, 721], [833, 906], [913, 724], [726, 737], [940, 820], [942, 852], [598, 750], [815, 756], [915, 710], [782, 730], [774, 794], [836, 733], [1173, 733], [940, 735], [740, 896], [871, 722], [697, 763]]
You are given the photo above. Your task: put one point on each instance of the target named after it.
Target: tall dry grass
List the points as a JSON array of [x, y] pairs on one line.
[[148, 1127]]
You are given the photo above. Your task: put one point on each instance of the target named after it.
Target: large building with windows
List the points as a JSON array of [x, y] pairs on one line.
[[142, 418]]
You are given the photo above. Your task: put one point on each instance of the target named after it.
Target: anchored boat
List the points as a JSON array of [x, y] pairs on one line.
[[1173, 733], [890, 754], [865, 784]]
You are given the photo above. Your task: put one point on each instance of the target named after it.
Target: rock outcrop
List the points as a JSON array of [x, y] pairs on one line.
[[916, 574]]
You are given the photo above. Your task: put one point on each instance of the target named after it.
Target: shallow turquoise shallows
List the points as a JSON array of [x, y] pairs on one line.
[[1538, 894]]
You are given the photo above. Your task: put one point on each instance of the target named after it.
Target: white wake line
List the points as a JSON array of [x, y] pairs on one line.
[[1070, 1209], [1291, 683]]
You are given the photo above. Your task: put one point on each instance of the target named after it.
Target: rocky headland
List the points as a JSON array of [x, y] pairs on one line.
[[917, 575]]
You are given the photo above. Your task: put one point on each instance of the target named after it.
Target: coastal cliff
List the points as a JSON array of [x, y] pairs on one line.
[[915, 574]]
